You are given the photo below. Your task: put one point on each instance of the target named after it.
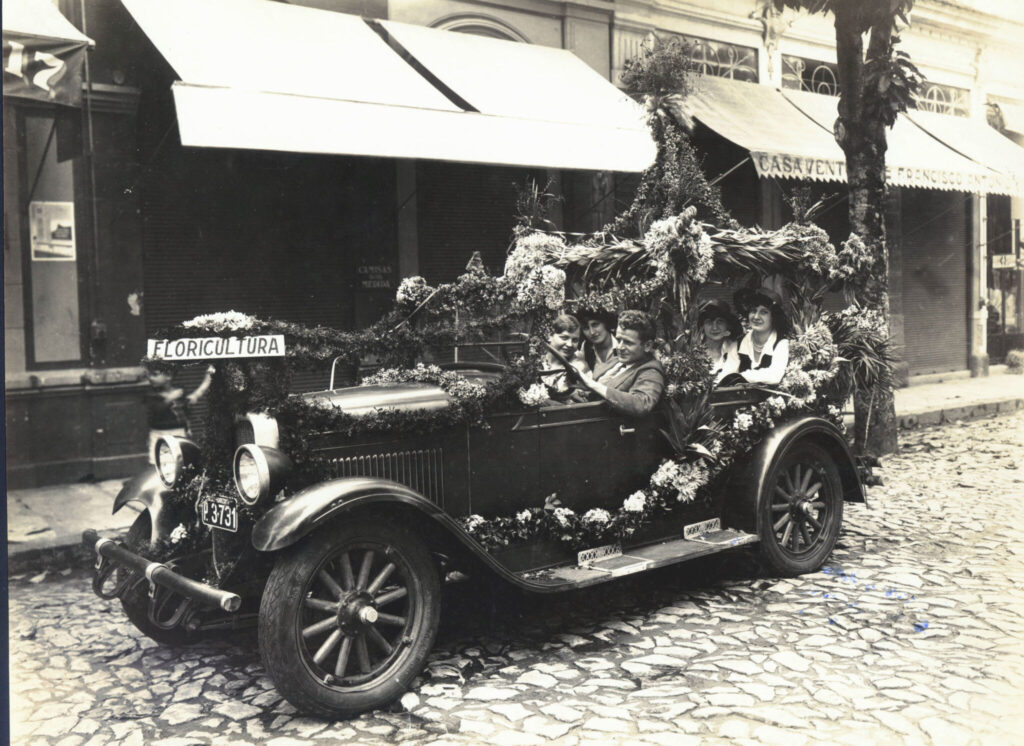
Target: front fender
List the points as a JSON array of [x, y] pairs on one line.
[[289, 521], [745, 489], [146, 489]]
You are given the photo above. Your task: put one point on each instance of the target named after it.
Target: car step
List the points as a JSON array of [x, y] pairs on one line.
[[637, 559]]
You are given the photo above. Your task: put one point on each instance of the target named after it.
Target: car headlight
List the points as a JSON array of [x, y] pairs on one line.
[[171, 455], [259, 472]]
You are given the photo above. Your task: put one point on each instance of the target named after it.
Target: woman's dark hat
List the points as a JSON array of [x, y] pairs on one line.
[[608, 318], [748, 298], [719, 309]]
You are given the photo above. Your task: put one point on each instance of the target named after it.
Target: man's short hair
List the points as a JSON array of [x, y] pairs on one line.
[[639, 322], [565, 323]]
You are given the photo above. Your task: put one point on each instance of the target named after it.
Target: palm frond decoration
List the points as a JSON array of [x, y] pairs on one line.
[[866, 348], [691, 424], [601, 260]]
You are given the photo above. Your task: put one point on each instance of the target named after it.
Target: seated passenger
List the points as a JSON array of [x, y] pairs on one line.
[[764, 351], [564, 337], [599, 347], [634, 385], [722, 333]]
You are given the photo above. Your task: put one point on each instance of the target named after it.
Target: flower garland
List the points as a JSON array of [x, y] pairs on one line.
[[683, 479]]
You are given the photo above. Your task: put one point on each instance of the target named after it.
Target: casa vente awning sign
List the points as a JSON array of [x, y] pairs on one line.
[[211, 348]]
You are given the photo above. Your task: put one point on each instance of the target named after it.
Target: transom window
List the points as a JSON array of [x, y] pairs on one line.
[[803, 74]]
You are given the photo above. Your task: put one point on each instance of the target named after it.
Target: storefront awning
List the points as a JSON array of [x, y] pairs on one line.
[[982, 144], [783, 142], [789, 136], [913, 157], [271, 76], [43, 53]]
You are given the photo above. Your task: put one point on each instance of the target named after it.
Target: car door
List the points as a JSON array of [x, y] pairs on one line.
[[591, 457], [504, 465]]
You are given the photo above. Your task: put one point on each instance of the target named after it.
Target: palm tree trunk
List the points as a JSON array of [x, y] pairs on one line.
[[862, 139]]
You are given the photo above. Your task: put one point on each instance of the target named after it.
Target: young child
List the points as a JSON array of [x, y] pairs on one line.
[[167, 406], [565, 338]]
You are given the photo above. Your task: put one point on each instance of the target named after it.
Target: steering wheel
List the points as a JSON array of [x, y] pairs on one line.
[[570, 370]]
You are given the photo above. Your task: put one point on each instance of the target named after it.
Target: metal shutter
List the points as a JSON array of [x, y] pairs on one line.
[[267, 234], [935, 255], [464, 208]]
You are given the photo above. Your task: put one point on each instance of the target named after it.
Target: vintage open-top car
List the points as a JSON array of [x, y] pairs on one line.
[[344, 575], [332, 518]]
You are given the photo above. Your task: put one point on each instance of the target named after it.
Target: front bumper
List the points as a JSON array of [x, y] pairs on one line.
[[159, 574]]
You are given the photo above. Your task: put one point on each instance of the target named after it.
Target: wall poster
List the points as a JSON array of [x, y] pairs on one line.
[[52, 225]]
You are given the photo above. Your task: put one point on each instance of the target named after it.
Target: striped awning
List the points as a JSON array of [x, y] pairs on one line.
[[272, 76]]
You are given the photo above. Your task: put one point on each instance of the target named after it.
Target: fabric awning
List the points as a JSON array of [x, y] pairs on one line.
[[43, 53], [913, 157], [789, 136], [783, 142], [272, 76], [982, 144]]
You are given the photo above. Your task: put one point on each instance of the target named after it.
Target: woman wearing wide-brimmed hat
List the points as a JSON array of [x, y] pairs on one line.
[[722, 333], [764, 350]]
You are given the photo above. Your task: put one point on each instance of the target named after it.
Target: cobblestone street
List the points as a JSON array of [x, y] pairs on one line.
[[912, 633]]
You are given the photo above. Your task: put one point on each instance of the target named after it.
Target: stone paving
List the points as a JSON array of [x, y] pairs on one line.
[[911, 634]]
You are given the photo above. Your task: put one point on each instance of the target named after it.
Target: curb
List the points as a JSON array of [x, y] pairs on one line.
[[66, 551], [962, 414]]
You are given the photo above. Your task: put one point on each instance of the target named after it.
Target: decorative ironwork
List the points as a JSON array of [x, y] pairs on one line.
[[944, 99], [802, 74], [724, 60]]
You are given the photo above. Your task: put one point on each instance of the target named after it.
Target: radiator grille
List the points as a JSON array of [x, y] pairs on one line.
[[421, 470]]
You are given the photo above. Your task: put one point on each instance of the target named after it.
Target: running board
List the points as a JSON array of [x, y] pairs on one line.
[[638, 559]]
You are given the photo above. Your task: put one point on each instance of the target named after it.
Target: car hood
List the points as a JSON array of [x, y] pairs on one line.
[[402, 396]]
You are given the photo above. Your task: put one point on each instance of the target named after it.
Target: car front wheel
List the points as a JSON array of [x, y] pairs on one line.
[[348, 617], [801, 511]]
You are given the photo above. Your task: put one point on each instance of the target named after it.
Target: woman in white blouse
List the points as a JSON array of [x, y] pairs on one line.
[[722, 332], [764, 350]]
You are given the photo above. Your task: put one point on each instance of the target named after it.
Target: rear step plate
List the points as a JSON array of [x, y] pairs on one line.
[[638, 559]]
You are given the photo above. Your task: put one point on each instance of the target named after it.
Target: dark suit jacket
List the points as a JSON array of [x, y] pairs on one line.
[[636, 390]]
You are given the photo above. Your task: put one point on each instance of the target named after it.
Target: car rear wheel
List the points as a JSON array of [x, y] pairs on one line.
[[348, 618], [801, 511]]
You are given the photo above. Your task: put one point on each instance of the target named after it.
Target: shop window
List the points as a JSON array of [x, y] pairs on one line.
[[52, 320], [802, 74], [724, 60], [943, 99]]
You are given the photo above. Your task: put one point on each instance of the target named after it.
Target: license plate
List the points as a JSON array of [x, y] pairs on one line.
[[219, 514]]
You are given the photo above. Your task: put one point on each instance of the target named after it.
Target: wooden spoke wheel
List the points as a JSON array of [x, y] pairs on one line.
[[348, 617], [801, 511]]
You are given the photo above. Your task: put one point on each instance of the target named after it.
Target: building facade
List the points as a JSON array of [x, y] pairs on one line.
[[167, 232]]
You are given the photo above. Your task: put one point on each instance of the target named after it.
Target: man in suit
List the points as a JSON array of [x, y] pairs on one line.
[[634, 385]]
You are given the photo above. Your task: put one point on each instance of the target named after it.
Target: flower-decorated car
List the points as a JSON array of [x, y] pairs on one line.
[[331, 519]]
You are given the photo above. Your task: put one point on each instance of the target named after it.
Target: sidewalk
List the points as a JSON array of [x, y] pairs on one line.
[[49, 520]]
